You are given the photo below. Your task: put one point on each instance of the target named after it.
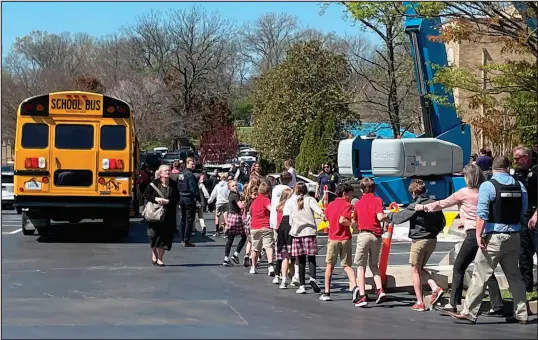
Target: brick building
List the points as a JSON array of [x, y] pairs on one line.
[[473, 55]]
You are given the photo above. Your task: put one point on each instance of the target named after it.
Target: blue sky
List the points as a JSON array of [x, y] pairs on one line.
[[101, 18]]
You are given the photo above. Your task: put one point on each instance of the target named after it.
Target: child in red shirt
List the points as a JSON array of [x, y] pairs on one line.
[[368, 214], [339, 215], [261, 233]]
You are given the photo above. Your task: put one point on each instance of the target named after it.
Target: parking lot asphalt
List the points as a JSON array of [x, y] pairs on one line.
[[81, 283]]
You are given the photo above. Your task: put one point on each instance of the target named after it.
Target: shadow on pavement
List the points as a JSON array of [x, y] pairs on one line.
[[97, 232], [195, 265]]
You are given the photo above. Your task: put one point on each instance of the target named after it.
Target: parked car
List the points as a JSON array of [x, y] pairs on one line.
[[247, 155], [310, 184], [221, 168], [7, 186]]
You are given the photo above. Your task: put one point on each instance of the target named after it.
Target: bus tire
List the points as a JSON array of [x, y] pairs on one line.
[[27, 232], [31, 223]]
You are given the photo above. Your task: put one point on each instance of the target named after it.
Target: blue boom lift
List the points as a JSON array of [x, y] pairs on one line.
[[438, 155]]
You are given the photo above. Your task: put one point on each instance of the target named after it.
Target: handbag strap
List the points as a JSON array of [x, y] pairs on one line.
[[157, 189]]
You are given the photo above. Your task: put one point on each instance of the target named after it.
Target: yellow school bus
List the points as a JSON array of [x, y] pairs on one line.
[[75, 158]]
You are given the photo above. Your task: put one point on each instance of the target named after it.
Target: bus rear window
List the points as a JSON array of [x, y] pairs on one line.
[[113, 137], [35, 136], [72, 136]]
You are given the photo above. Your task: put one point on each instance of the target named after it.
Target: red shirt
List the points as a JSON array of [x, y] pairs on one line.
[[366, 210], [259, 212], [336, 209]]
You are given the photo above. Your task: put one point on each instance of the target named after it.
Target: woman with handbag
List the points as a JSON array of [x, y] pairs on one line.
[[160, 212]]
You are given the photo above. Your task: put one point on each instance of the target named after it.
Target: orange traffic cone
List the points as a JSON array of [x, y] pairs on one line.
[[385, 249]]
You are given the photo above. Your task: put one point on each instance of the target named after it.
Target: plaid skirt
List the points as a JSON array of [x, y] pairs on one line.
[[285, 249], [304, 246], [234, 225]]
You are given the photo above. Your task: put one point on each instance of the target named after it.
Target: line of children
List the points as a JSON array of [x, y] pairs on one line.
[[297, 236]]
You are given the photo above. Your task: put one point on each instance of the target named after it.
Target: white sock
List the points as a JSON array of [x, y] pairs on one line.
[[202, 222], [236, 254], [226, 258]]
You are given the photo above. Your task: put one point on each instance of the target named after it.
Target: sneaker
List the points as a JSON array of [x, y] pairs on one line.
[[325, 297], [271, 271], [436, 296], [246, 261], [276, 280], [301, 290], [204, 230], [418, 307], [227, 263], [216, 234], [252, 270], [493, 312], [235, 258], [355, 294], [449, 308], [381, 297], [295, 281], [312, 282], [363, 301], [283, 284]]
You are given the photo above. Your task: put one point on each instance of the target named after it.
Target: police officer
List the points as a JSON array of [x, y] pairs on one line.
[[188, 196], [501, 202], [526, 173]]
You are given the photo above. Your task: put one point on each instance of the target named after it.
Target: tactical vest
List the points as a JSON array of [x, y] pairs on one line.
[[506, 208], [183, 183], [529, 179]]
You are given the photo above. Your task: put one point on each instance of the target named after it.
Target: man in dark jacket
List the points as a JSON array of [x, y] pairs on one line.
[[423, 230], [188, 196]]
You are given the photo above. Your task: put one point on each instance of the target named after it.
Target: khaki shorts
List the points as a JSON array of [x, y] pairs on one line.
[[368, 248], [420, 252], [262, 238], [342, 249]]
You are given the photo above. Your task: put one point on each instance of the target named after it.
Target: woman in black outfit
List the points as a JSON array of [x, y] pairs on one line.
[[161, 234]]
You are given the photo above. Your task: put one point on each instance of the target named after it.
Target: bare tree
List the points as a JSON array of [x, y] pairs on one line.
[[189, 50], [266, 41], [151, 105]]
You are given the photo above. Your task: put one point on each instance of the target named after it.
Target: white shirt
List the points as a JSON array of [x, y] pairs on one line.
[[275, 199], [293, 177]]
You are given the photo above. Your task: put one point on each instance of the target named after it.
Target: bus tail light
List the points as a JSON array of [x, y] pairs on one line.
[[112, 164], [41, 162], [45, 180], [35, 163], [101, 181]]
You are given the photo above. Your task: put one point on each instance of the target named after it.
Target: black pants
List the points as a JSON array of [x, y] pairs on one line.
[[187, 211], [278, 266], [230, 242], [465, 256], [528, 249], [302, 268]]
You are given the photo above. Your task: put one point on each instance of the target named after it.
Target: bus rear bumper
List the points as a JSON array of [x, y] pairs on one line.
[[66, 208], [71, 202]]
